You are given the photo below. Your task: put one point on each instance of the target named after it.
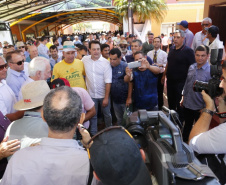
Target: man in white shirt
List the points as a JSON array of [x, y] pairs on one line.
[[165, 43], [42, 48], [58, 159], [214, 42], [98, 80], [102, 39], [159, 58], [201, 37]]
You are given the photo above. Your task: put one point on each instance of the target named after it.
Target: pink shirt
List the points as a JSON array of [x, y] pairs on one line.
[[87, 102]]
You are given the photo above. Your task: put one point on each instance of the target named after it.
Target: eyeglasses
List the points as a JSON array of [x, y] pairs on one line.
[[122, 46], [21, 47], [19, 63], [3, 66], [106, 130], [205, 24]]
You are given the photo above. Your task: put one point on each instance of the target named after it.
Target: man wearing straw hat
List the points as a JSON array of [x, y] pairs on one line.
[[20, 45], [31, 128], [70, 68], [58, 159]]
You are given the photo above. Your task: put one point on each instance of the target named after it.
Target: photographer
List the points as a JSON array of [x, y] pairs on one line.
[[205, 141]]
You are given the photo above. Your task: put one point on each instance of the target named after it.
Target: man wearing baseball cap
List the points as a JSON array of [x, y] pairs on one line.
[[183, 25], [31, 128], [70, 68], [116, 158]]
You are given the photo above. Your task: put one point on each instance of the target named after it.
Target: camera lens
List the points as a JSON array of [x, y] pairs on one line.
[[198, 86]]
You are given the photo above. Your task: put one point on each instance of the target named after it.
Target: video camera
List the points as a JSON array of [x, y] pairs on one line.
[[212, 87], [172, 162]]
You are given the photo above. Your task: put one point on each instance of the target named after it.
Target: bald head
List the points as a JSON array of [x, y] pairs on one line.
[[62, 109], [33, 51]]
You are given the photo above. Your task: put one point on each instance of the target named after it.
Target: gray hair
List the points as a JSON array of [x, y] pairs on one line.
[[137, 40], [207, 19], [37, 64], [182, 33]]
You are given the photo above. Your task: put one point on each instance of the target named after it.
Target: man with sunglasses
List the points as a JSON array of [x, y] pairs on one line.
[[58, 159], [20, 45], [16, 75], [123, 48]]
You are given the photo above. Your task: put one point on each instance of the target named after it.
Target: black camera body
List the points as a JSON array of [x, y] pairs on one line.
[[212, 87], [172, 162]]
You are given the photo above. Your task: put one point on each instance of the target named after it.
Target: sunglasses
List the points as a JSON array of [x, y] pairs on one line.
[[19, 63], [122, 46], [3, 66], [106, 130], [21, 47]]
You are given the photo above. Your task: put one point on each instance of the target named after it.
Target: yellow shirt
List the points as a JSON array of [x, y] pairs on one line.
[[73, 72], [49, 44]]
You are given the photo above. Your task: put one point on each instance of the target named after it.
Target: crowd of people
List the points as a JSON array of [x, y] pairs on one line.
[[90, 77]]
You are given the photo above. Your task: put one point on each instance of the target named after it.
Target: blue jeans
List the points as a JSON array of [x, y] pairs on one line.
[[119, 111], [107, 115]]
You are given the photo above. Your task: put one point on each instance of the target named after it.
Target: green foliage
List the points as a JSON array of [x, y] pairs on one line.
[[143, 9]]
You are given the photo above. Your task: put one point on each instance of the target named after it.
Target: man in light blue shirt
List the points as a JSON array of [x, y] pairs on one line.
[[193, 101], [16, 75], [42, 48], [183, 25]]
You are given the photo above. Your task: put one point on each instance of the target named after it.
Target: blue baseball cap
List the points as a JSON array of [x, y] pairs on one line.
[[183, 23]]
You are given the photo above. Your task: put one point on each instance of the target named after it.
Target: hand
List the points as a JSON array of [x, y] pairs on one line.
[[208, 101], [85, 136], [8, 148], [105, 102], [182, 101], [163, 79], [128, 71], [144, 64], [128, 101]]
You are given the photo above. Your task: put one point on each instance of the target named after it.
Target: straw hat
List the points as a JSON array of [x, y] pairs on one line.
[[33, 95], [68, 46], [19, 44], [123, 42]]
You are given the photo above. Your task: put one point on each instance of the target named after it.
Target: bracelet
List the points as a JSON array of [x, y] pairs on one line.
[[208, 111]]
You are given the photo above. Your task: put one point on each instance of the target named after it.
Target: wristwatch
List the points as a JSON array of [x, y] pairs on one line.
[[208, 111]]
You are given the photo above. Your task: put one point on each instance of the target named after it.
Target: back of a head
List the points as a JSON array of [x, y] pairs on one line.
[[37, 64], [116, 159], [62, 109]]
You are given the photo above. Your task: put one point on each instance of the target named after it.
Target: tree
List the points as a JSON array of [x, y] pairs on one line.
[[143, 9]]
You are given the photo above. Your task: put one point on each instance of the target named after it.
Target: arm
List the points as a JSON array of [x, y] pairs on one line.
[[164, 74], [107, 92], [128, 76], [203, 123], [15, 116], [129, 97], [90, 113]]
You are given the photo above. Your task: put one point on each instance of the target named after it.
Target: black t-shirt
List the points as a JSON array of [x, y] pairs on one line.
[[179, 61]]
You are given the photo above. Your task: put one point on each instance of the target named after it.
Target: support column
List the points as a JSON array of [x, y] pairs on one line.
[[130, 17]]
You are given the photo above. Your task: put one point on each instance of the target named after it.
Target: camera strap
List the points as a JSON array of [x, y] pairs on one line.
[[221, 115]]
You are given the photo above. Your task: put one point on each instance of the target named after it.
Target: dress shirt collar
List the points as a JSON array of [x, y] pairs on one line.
[[32, 114], [3, 82], [156, 50], [16, 73], [65, 143], [203, 67]]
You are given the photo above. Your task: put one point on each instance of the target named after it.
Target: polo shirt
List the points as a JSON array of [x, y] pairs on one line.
[[179, 61], [119, 89]]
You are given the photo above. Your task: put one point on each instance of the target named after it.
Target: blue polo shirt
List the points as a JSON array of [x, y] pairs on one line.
[[119, 89], [193, 100], [145, 89]]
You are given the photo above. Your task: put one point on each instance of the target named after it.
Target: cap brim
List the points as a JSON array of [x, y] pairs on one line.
[[20, 105], [69, 49]]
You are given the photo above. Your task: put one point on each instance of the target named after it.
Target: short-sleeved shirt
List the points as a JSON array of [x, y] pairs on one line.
[[119, 89], [193, 100], [74, 72], [98, 73], [7, 98], [87, 102], [145, 89]]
